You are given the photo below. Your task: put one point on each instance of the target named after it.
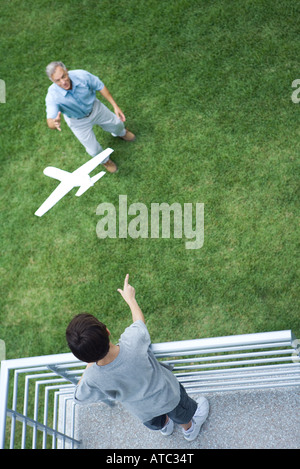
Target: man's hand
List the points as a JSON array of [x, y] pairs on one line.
[[119, 113], [106, 94], [57, 121], [54, 123], [128, 293]]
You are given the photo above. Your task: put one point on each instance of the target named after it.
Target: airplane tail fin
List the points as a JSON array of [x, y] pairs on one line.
[[97, 176], [93, 179]]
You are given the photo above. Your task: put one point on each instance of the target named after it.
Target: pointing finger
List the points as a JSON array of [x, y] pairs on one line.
[[126, 280]]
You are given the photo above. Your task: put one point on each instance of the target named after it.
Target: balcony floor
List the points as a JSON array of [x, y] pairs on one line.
[[257, 419]]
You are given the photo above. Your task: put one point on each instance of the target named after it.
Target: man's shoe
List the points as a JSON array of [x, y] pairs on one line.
[[168, 428], [198, 419], [129, 136], [110, 166]]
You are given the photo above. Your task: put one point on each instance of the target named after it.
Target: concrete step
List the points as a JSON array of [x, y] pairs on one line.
[[257, 419]]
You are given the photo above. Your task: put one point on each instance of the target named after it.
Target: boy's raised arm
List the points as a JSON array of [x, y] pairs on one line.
[[128, 293]]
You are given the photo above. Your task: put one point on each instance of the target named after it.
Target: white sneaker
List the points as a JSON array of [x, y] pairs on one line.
[[198, 419], [168, 428]]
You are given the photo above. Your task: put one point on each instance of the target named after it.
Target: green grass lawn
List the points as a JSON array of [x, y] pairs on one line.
[[206, 87]]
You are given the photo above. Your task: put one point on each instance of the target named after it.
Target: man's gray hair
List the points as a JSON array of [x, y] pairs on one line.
[[51, 67]]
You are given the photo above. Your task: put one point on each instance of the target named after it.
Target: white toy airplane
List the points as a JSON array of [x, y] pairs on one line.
[[79, 178]]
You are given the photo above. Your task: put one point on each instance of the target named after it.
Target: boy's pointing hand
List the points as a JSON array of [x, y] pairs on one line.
[[128, 292]]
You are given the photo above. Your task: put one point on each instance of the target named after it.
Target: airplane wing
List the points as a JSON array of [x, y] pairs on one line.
[[56, 173], [53, 198], [87, 167]]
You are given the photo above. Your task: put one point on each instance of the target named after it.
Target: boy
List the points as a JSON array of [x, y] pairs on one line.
[[130, 373]]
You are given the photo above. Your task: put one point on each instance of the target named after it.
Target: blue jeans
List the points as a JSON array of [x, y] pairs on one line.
[[182, 413]]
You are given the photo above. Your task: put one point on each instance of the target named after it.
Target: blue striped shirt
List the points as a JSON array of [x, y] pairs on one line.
[[77, 102]]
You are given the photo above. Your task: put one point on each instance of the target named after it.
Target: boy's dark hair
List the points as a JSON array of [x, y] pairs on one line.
[[87, 338]]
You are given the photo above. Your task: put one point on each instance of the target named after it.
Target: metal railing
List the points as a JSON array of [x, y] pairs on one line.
[[39, 389], [234, 363], [36, 392]]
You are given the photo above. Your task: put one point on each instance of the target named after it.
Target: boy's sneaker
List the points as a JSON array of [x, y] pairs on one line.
[[198, 419], [168, 428]]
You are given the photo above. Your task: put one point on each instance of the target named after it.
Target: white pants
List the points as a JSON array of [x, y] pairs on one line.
[[83, 128]]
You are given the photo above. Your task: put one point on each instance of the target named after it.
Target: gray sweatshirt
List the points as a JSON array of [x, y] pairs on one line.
[[134, 378]]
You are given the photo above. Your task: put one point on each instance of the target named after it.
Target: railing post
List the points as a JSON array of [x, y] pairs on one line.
[[4, 381]]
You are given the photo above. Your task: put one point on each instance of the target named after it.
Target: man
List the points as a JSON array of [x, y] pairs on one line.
[[130, 373], [73, 94]]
